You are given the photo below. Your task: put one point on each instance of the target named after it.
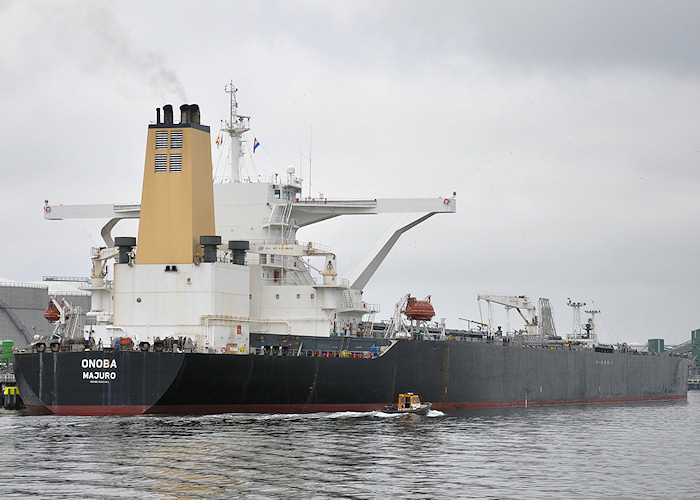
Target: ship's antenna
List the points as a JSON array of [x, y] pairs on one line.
[[311, 138], [235, 127], [310, 157]]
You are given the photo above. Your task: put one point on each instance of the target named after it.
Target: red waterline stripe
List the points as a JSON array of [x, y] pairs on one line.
[[97, 409], [263, 408]]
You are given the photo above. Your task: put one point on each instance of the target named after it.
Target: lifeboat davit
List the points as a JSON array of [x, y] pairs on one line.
[[420, 310], [52, 313]]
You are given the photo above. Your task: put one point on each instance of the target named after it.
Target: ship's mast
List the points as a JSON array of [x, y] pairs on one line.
[[235, 127], [590, 325], [577, 317]]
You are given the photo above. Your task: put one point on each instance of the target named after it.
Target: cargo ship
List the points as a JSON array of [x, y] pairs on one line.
[[217, 307]]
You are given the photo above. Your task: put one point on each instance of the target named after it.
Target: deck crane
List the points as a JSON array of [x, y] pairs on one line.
[[518, 302]]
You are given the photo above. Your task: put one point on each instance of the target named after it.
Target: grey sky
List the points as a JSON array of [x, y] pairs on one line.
[[570, 131]]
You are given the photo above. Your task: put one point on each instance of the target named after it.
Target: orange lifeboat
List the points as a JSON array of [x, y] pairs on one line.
[[52, 313], [420, 310]]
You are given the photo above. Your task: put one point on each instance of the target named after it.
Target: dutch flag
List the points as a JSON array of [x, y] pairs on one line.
[[255, 144]]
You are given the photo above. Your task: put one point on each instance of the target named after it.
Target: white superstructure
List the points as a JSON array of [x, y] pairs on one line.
[[285, 286]]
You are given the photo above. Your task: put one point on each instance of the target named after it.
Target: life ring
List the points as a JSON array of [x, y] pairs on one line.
[[47, 209], [446, 201], [223, 350]]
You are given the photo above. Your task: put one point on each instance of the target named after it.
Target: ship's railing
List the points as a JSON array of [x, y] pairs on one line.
[[67, 279], [321, 353], [127, 207], [346, 202], [537, 342], [284, 241], [375, 308], [315, 246], [263, 179], [72, 293], [278, 219], [339, 282]]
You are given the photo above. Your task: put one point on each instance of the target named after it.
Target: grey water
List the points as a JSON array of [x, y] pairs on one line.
[[646, 450]]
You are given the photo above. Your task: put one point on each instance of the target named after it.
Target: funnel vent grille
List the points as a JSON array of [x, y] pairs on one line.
[[161, 164], [162, 140], [176, 163]]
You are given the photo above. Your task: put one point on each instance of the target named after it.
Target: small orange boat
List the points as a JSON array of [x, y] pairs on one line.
[[408, 403]]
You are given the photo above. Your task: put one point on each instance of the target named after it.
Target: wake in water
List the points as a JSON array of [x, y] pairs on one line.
[[339, 415], [431, 413]]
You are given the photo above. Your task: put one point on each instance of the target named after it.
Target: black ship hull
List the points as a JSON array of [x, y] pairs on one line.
[[452, 375]]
